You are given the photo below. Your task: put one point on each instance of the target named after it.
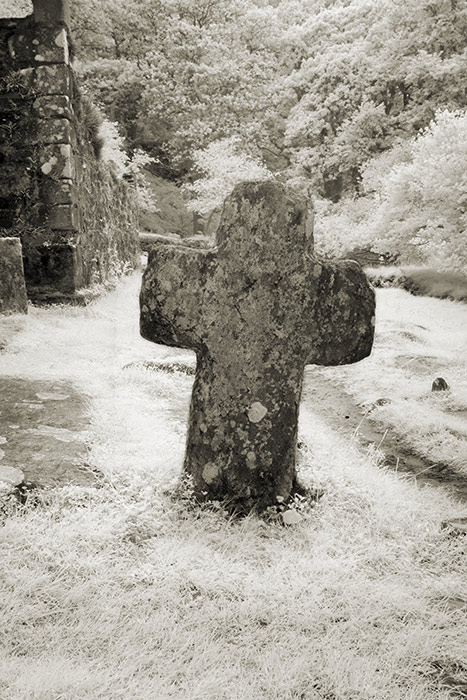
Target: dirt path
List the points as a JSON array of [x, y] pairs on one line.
[[329, 401]]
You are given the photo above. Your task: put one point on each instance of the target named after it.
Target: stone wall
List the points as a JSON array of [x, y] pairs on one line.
[[77, 221]]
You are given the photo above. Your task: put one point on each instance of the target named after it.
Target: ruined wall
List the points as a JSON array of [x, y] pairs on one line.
[[77, 221]]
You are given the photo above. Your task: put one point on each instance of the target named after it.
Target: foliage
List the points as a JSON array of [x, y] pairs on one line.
[[367, 74], [124, 166], [178, 74], [223, 165], [340, 227], [421, 281], [116, 85], [421, 205], [413, 203], [91, 119], [328, 95], [316, 88]]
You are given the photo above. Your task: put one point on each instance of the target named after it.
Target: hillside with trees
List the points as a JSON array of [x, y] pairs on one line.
[[361, 104]]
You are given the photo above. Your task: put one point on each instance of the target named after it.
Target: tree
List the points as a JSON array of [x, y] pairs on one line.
[[313, 88], [368, 74], [180, 74], [421, 205], [223, 165]]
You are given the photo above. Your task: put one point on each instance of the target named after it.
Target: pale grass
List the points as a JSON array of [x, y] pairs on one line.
[[15, 8], [417, 340], [128, 592]]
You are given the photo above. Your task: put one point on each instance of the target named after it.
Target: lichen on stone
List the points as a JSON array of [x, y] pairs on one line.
[[256, 310]]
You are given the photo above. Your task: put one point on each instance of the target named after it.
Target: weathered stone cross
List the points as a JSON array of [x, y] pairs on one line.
[[256, 310]]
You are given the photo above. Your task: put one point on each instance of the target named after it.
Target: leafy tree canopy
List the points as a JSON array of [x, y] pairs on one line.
[[316, 87], [327, 94]]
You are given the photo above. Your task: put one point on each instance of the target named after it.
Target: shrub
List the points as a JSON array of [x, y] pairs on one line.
[[420, 206], [224, 164]]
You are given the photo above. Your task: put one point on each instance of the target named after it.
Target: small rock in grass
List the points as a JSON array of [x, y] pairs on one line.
[[11, 476], [452, 604], [382, 401], [291, 517], [440, 384]]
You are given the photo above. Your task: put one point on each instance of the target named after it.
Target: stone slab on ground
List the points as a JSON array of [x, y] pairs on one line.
[[43, 431], [13, 299]]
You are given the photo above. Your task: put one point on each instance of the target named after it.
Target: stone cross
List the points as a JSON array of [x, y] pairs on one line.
[[256, 309]]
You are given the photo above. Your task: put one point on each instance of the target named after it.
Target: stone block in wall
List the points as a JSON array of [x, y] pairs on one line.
[[58, 191], [15, 173], [52, 80], [47, 80], [43, 132], [13, 297], [57, 161], [63, 217], [51, 266], [53, 107], [40, 45], [51, 131]]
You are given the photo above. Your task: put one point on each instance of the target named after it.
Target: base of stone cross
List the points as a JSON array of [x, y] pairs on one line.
[[43, 432]]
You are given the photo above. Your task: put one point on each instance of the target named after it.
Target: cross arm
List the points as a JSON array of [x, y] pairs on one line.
[[343, 314], [171, 298]]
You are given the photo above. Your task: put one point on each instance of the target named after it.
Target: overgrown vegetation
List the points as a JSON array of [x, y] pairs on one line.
[[361, 103], [91, 120], [421, 281], [413, 202]]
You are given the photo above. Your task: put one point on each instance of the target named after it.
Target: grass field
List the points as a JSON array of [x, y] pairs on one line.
[[418, 339], [128, 591]]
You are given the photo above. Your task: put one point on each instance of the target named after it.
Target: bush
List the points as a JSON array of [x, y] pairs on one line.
[[413, 201], [92, 119], [420, 206], [224, 164]]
